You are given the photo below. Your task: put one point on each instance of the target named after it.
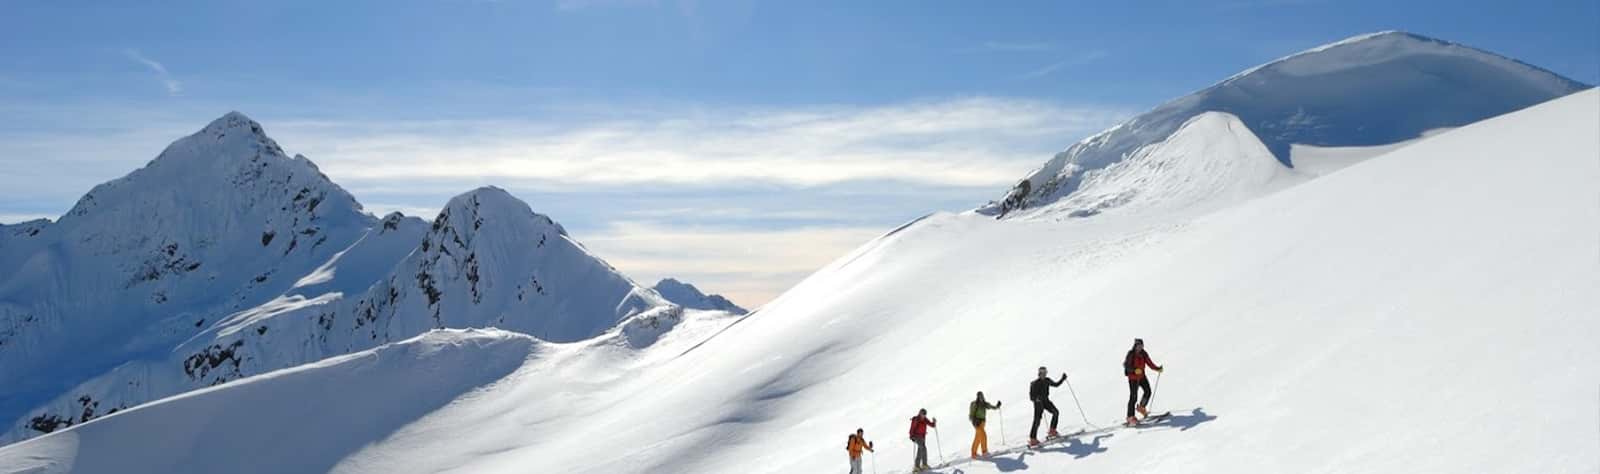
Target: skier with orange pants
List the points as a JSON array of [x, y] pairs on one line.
[[978, 414]]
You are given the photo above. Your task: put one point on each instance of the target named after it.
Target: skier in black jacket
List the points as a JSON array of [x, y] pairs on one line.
[[1039, 392]]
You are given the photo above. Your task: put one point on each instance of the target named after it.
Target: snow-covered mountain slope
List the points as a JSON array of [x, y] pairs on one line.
[[1211, 159], [1428, 310], [1431, 288], [687, 296], [1368, 90], [221, 221], [330, 415], [487, 261], [360, 398], [106, 311]]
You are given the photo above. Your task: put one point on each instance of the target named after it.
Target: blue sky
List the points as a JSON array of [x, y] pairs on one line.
[[738, 145]]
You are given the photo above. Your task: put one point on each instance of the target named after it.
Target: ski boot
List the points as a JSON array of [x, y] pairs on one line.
[[1144, 411], [1053, 435], [1033, 442], [1132, 421]]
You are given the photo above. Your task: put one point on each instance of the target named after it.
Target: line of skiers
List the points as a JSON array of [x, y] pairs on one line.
[[1133, 367]]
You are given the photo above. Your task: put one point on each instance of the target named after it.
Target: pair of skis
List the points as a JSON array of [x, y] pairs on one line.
[[1054, 440], [1146, 421]]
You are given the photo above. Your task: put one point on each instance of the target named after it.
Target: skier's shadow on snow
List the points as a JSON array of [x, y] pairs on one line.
[[1183, 422], [1079, 449], [1005, 464]]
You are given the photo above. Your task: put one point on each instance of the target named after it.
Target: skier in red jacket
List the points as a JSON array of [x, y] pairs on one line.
[[919, 435], [1133, 366]]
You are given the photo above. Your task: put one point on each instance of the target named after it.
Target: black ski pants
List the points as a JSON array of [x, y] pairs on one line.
[[1039, 407], [1133, 393]]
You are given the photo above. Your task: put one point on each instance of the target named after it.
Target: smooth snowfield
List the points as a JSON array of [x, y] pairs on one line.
[[1428, 310]]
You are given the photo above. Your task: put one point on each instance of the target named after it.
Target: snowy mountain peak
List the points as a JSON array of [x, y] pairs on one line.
[[686, 295], [467, 211], [1369, 90], [1384, 46], [233, 120], [222, 220]]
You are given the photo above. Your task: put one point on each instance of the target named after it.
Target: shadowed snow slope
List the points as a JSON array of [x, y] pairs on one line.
[[1428, 310], [304, 419], [1368, 90]]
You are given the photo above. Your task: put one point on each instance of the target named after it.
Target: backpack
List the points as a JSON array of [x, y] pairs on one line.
[[1127, 364]]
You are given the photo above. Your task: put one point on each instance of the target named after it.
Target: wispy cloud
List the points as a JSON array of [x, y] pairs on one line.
[[1052, 68], [173, 86], [972, 141], [1007, 47]]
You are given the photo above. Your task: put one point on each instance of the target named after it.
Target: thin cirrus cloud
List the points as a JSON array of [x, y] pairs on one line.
[[172, 85], [1007, 47], [1057, 66]]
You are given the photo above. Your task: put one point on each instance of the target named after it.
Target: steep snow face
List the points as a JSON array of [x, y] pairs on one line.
[[487, 260], [221, 221], [1212, 160], [687, 296], [1369, 90]]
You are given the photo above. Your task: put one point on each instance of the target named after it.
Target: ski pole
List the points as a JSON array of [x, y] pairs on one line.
[[940, 444], [874, 461], [1153, 389], [1002, 426], [1080, 405]]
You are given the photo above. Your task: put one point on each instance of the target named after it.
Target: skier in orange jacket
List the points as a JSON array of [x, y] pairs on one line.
[[857, 443]]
